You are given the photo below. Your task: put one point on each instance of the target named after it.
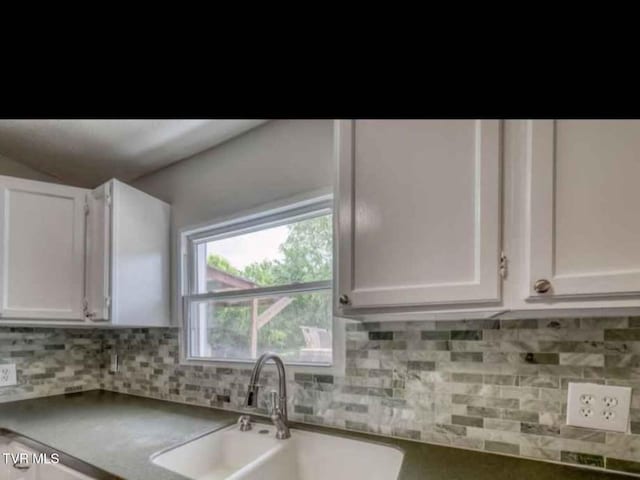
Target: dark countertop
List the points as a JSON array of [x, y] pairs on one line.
[[118, 433]]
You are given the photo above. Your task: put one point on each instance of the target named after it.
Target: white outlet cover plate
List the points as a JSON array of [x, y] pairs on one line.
[[597, 409], [8, 375]]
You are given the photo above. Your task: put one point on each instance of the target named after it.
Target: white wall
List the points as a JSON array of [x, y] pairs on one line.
[[280, 159], [16, 169]]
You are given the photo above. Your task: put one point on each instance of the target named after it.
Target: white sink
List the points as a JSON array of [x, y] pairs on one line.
[[234, 455], [218, 455]]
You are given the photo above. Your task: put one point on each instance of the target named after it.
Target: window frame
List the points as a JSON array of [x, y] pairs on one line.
[[282, 213]]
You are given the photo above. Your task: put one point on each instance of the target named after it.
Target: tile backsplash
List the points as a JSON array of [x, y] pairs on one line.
[[51, 361], [494, 385]]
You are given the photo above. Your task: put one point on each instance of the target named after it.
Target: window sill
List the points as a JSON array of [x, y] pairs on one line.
[[329, 369]]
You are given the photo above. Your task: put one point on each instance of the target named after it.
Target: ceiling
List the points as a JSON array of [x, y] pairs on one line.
[[89, 152]]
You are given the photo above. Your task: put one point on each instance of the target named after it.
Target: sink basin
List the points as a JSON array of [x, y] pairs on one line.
[[218, 455], [257, 455]]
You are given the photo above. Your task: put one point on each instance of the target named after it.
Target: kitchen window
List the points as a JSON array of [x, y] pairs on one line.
[[262, 283]]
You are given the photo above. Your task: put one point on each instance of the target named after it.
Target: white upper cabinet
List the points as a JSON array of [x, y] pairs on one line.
[[582, 230], [418, 213], [72, 255], [128, 257], [42, 250]]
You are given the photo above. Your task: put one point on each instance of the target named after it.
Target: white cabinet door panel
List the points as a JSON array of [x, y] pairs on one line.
[[140, 258], [42, 257], [584, 229], [419, 212]]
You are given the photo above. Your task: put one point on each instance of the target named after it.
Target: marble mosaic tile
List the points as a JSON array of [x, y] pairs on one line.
[[582, 459], [587, 359], [502, 447], [623, 465], [492, 385], [621, 335], [51, 361]]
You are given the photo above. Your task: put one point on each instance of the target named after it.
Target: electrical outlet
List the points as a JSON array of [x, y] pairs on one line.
[[586, 412], [7, 375], [113, 363], [602, 407], [587, 399], [610, 401]]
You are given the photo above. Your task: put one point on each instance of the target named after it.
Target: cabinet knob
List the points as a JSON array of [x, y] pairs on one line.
[[542, 286], [344, 299]]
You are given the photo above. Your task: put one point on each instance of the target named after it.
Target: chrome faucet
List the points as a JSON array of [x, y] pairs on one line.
[[279, 415]]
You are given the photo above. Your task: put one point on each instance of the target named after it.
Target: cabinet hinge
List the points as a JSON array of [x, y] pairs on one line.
[[107, 302], [86, 208], [503, 265], [85, 309]]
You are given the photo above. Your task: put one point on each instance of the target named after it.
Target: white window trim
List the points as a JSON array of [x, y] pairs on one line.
[[278, 213]]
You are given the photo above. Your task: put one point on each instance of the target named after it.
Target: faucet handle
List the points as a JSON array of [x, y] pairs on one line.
[[245, 423], [252, 396]]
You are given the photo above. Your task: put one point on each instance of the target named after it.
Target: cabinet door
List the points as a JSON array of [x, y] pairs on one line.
[[584, 229], [418, 212], [98, 258], [140, 258], [42, 254]]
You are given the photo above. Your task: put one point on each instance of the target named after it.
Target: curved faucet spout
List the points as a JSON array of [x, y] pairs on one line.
[[279, 407]]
